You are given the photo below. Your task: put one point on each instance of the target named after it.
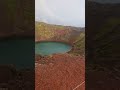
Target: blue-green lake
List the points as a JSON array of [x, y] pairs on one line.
[[49, 48]]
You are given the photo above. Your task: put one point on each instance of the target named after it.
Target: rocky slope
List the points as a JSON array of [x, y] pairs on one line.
[[72, 35], [61, 71], [45, 31]]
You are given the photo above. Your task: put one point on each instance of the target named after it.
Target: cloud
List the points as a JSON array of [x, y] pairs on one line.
[[65, 12]]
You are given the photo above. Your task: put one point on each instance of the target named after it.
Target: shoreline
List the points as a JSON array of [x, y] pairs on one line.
[[68, 43]]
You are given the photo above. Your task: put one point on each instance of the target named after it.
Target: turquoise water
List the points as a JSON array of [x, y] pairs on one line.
[[48, 48]]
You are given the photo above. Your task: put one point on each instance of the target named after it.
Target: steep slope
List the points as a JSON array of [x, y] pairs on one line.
[[49, 31], [72, 35], [61, 71], [79, 45]]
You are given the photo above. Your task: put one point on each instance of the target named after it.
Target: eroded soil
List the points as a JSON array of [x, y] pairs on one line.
[[60, 72]]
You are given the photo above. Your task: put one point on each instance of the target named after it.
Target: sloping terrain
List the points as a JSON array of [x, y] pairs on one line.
[[45, 31], [61, 71], [72, 35]]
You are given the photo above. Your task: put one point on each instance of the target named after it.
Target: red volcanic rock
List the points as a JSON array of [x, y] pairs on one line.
[[60, 72]]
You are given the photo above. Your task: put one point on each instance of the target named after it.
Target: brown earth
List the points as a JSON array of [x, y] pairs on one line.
[[60, 72]]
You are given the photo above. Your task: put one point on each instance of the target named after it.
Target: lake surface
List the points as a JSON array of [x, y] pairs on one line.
[[19, 52], [49, 48]]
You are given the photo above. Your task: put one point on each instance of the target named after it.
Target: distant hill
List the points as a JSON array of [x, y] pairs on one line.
[[55, 32], [60, 26]]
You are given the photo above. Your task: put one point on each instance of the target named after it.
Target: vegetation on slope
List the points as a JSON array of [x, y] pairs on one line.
[[73, 35], [79, 45]]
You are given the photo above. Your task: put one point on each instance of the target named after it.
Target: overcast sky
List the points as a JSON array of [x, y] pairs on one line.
[[63, 12]]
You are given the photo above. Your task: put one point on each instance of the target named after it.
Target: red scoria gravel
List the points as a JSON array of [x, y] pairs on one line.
[[60, 72]]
